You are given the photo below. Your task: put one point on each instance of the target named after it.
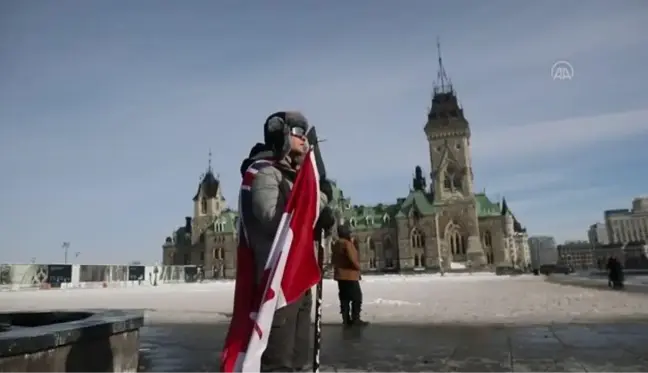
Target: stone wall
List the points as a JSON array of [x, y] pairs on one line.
[[47, 276], [97, 341]]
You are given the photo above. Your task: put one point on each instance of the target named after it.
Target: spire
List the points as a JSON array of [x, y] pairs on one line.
[[209, 184], [445, 111], [505, 209], [443, 83], [209, 165]]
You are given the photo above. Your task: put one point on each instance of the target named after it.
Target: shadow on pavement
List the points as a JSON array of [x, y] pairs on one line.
[[603, 346], [595, 283]]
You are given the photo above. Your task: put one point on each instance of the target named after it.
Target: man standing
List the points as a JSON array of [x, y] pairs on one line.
[[612, 268], [274, 165], [347, 274]]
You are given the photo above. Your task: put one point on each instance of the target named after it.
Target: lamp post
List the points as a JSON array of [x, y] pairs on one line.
[[65, 246]]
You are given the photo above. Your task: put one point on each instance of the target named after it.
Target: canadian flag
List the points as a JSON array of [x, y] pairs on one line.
[[291, 269]]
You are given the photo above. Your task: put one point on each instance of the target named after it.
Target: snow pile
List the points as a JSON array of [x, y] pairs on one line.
[[392, 302], [423, 298], [454, 265], [460, 277]]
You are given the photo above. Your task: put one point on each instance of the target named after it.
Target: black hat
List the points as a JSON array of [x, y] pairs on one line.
[[344, 231], [276, 130]]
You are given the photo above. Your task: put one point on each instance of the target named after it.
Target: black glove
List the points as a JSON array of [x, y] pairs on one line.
[[327, 188]]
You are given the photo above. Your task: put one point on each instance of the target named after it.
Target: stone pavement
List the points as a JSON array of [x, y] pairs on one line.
[[619, 346]]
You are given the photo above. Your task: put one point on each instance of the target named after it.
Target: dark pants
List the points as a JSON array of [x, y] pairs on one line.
[[289, 341], [350, 295]]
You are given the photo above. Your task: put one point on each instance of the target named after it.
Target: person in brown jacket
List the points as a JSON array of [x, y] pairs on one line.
[[347, 274]]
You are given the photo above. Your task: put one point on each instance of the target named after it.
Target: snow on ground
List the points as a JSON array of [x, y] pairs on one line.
[[454, 265], [423, 298]]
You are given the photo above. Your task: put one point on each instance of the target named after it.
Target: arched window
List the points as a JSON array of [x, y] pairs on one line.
[[447, 182], [488, 239], [203, 205], [488, 247], [385, 218], [453, 178], [490, 255], [352, 222], [219, 225], [418, 247], [457, 243], [371, 247], [388, 252], [218, 253], [455, 240], [457, 181], [417, 239]]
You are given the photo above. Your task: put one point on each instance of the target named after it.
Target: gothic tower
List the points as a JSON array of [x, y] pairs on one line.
[[209, 203], [448, 135]]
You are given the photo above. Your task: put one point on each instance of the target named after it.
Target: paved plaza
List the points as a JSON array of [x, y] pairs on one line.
[[423, 323]]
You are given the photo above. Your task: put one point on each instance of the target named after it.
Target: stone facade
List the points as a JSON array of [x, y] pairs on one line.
[[626, 225], [584, 255], [445, 226], [209, 238]]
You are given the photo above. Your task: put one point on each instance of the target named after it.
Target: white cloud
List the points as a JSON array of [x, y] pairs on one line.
[[358, 101], [568, 35], [570, 215], [555, 137], [527, 181], [564, 213], [552, 201]]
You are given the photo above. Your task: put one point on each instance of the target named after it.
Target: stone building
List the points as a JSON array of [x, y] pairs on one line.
[[443, 226], [625, 225], [209, 238], [597, 234], [543, 251], [584, 255]]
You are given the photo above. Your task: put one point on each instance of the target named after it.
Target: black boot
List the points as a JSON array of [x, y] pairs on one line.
[[356, 320], [345, 310]]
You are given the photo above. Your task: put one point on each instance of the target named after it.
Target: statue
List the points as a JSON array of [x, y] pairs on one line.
[[419, 181]]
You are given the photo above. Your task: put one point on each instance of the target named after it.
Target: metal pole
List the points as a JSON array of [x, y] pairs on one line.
[[66, 246], [317, 340]]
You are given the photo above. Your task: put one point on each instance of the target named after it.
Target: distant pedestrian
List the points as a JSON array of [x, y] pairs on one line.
[[347, 274]]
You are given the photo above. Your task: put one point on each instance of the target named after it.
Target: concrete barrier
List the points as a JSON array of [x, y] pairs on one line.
[[22, 277], [70, 341]]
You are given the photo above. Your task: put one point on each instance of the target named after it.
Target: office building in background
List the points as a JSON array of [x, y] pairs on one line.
[[543, 251]]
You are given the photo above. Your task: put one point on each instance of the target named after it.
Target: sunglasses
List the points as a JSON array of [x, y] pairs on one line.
[[298, 131]]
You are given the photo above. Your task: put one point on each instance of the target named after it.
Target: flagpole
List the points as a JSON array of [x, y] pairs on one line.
[[317, 340]]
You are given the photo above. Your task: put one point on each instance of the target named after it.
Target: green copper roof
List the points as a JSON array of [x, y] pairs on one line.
[[229, 219], [373, 216], [368, 217], [418, 200], [485, 207]]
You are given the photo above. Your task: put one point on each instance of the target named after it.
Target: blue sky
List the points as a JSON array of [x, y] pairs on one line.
[[108, 109]]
